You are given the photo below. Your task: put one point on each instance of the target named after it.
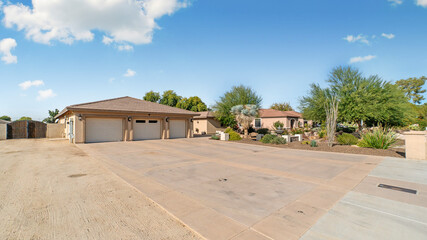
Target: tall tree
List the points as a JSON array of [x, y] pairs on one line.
[[361, 99], [170, 98], [51, 118], [24, 118], [245, 114], [6, 118], [285, 106], [413, 88], [194, 104], [238, 95], [152, 96]]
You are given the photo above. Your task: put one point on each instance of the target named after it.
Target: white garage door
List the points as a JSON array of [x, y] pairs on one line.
[[177, 129], [146, 129], [104, 130]]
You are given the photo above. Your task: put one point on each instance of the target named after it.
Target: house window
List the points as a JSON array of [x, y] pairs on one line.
[[258, 122], [152, 121], [140, 121]]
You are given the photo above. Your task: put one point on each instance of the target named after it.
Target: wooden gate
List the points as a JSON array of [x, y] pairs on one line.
[[26, 129]]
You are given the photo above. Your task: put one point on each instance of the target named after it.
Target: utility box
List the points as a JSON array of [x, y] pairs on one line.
[[224, 136], [416, 145]]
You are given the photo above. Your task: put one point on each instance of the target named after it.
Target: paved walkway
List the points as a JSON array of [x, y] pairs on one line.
[[370, 212], [227, 190]]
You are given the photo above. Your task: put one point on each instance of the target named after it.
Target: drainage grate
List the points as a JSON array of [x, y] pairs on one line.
[[407, 190]]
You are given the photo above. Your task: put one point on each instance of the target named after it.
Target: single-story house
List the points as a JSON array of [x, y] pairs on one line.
[[3, 129], [124, 119], [267, 117], [206, 123]]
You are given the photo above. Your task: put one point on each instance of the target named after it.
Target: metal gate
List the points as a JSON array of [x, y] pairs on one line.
[[26, 129]]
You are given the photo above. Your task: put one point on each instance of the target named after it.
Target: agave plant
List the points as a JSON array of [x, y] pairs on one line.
[[379, 138], [245, 114]]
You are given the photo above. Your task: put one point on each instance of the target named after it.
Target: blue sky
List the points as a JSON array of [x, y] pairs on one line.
[[79, 53]]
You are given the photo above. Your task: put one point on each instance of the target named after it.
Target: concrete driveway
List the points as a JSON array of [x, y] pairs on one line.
[[227, 190]]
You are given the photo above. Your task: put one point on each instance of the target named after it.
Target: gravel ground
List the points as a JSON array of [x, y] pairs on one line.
[[53, 190], [322, 146]]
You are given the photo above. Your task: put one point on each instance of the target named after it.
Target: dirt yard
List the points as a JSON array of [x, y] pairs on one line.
[[52, 190], [322, 146]]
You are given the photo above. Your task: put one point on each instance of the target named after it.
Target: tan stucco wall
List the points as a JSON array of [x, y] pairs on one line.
[[55, 130], [416, 145], [3, 131], [268, 122], [209, 126]]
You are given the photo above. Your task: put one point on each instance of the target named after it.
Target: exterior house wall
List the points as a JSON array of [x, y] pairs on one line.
[[80, 125], [207, 125], [55, 130], [3, 131], [268, 122]]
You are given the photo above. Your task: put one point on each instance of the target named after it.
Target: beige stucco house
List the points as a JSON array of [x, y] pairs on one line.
[[124, 119], [290, 119], [206, 123], [3, 129]]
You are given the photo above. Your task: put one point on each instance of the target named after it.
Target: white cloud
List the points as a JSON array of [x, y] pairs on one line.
[[358, 38], [107, 41], [362, 59], [27, 84], [129, 73], [422, 3], [6, 45], [131, 21], [389, 36], [125, 47], [395, 2], [45, 94]]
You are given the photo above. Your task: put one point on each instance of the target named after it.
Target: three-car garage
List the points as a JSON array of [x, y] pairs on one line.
[[125, 119]]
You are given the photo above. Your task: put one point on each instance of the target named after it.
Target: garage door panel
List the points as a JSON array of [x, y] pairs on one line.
[[177, 129], [104, 130], [144, 129]]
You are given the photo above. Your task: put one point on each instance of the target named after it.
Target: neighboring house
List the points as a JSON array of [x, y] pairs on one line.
[[3, 129], [290, 119], [124, 119], [206, 123]]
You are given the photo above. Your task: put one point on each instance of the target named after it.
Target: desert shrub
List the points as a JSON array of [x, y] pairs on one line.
[[278, 125], [346, 129], [234, 136], [273, 139], [267, 138], [322, 134], [347, 139], [313, 143], [305, 142], [262, 131], [228, 130], [215, 137], [379, 138], [297, 131], [278, 140]]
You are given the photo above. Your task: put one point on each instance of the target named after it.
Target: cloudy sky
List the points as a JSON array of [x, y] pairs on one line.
[[63, 52]]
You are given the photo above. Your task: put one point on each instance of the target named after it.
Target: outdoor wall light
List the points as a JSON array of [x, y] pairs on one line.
[[167, 119], [80, 117], [191, 120], [129, 119]]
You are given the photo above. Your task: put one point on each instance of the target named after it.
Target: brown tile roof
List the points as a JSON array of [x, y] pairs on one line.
[[127, 104], [206, 114], [266, 113]]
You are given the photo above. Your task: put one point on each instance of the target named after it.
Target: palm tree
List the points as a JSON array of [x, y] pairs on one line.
[[244, 115], [51, 118]]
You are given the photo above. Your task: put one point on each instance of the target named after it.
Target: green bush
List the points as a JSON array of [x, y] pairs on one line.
[[347, 139], [267, 138], [234, 136], [262, 131], [322, 134], [278, 140], [313, 143], [278, 125], [273, 139], [228, 130], [380, 138], [305, 142], [215, 137]]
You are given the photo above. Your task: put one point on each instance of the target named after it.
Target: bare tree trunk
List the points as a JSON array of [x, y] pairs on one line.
[[246, 133], [331, 108]]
